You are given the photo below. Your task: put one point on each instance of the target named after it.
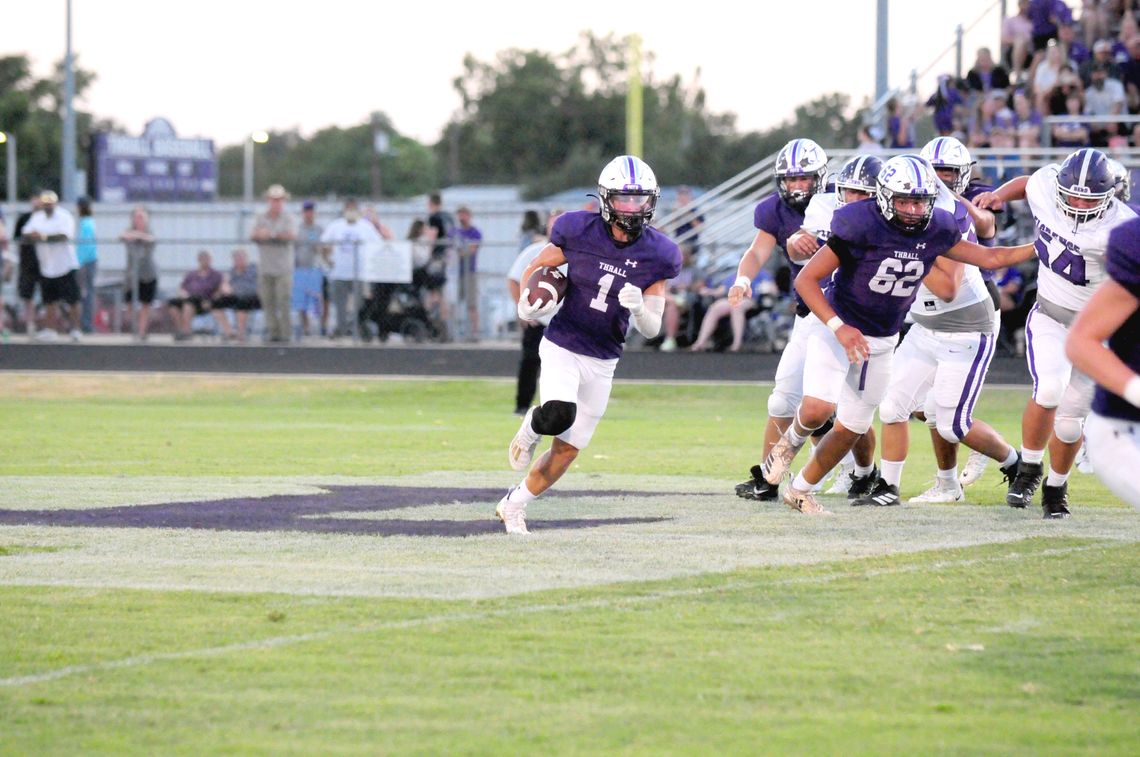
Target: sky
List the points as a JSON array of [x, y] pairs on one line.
[[222, 69]]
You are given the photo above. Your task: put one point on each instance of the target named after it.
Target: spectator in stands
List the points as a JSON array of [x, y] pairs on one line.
[[1017, 40], [200, 288], [1047, 16], [1130, 75], [239, 294], [274, 231], [679, 296], [982, 121], [468, 239], [689, 223], [142, 273], [870, 139], [435, 277], [900, 125], [28, 279], [1014, 309], [1075, 51], [985, 75], [531, 230], [1072, 133], [346, 236], [1102, 56], [87, 255], [1094, 20], [738, 316], [1046, 75], [947, 102], [308, 269], [52, 228], [1029, 120], [1104, 97]]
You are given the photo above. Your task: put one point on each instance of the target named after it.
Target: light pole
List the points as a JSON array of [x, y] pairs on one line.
[[9, 142], [260, 137]]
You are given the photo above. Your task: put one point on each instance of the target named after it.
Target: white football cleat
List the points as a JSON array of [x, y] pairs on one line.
[[803, 501], [512, 515], [779, 461], [1083, 463], [842, 483], [975, 467], [521, 451], [940, 492]]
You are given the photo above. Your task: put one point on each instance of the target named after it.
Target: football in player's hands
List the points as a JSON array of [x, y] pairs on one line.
[[544, 287]]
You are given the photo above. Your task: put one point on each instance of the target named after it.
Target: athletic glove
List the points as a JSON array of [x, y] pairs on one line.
[[528, 312]]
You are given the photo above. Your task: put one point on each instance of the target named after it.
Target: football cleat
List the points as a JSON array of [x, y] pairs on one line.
[[1084, 463], [757, 488], [1023, 484], [883, 495], [861, 486], [940, 492], [521, 451], [843, 480], [804, 501], [1055, 501], [512, 515], [975, 467], [779, 461]]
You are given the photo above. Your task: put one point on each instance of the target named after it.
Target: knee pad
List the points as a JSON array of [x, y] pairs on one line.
[[822, 430], [946, 429], [1068, 430], [781, 405], [1049, 391], [553, 417], [891, 411]]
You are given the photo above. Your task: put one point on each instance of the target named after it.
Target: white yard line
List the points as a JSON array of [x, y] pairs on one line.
[[431, 620]]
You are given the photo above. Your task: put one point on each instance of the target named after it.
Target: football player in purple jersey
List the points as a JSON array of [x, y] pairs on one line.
[[879, 252], [617, 266], [1111, 316]]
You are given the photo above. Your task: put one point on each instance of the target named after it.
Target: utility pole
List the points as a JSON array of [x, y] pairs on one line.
[[67, 159]]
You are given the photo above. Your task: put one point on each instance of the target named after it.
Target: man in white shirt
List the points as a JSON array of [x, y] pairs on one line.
[[53, 230], [347, 236]]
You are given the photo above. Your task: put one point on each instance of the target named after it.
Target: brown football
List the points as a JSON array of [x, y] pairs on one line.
[[544, 285]]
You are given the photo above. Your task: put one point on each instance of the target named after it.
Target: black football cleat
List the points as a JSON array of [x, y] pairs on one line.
[[756, 488], [1055, 501], [883, 495], [861, 486], [1009, 472], [1024, 484]]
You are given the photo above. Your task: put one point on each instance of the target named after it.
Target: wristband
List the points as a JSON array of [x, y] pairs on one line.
[[743, 282], [1132, 391], [834, 323]]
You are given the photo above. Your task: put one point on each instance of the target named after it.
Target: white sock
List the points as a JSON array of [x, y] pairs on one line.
[[862, 471], [793, 437], [891, 471], [1032, 455], [520, 495], [948, 478], [1010, 458], [800, 483], [1055, 478]]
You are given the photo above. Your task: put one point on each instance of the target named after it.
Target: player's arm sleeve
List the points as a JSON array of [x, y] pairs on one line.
[[841, 247], [648, 321]]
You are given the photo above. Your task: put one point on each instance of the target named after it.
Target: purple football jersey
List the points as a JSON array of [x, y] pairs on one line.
[[1122, 264], [974, 189], [591, 321], [781, 220], [880, 266]]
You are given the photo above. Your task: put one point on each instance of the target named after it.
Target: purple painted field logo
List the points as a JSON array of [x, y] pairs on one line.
[[310, 513]]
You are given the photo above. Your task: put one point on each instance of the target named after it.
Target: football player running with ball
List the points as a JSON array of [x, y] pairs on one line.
[[879, 252], [617, 265]]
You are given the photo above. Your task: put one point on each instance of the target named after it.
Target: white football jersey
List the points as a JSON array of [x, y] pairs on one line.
[[973, 287], [1071, 263], [817, 217]]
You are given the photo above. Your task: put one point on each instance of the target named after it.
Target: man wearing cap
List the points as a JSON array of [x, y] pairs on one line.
[[52, 229], [274, 232], [310, 261]]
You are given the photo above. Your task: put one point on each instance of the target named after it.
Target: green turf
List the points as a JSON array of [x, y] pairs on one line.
[[1028, 645]]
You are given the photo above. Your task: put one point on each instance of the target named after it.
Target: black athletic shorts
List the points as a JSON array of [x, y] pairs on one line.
[[64, 288], [147, 291], [29, 274], [202, 305]]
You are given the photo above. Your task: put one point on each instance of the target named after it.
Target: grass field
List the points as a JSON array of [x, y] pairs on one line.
[[132, 623]]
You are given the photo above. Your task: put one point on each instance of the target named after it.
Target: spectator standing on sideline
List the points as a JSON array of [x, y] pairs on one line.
[[308, 278], [88, 257], [239, 294], [200, 288], [142, 274], [346, 235], [468, 238], [7, 259], [531, 230], [985, 75], [441, 224], [532, 330], [274, 232], [52, 228], [29, 275]]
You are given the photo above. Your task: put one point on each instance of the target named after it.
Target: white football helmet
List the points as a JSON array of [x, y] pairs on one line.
[[907, 177], [947, 153], [800, 157], [1123, 180], [628, 192]]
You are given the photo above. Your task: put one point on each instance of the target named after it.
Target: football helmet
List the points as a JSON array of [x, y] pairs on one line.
[[1085, 175], [628, 192], [907, 177], [948, 153], [1123, 178], [858, 174], [800, 157]]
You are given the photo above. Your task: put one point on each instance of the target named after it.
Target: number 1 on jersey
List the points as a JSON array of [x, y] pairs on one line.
[[604, 284]]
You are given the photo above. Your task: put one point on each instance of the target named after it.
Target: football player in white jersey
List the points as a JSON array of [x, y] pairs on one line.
[[941, 364], [1074, 208]]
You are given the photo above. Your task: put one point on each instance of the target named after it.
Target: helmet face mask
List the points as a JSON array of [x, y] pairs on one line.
[[628, 192], [948, 154], [859, 175], [800, 158], [910, 181], [1123, 180], [1086, 186]]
